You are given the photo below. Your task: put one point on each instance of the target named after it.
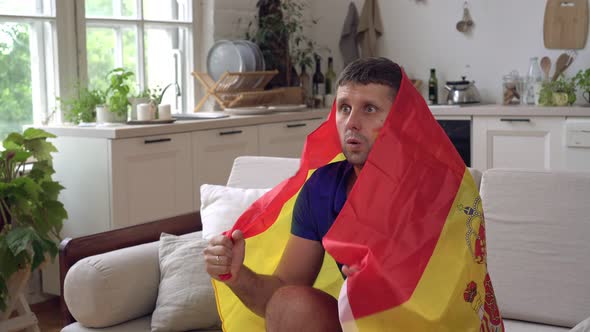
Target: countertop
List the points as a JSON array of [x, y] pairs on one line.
[[509, 110], [180, 126], [464, 111]]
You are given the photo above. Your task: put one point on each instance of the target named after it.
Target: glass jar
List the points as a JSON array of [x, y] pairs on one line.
[[512, 93]]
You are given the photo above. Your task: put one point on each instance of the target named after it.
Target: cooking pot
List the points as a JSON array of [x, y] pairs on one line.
[[462, 92]]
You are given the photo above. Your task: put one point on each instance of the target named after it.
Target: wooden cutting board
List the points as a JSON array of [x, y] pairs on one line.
[[566, 24]]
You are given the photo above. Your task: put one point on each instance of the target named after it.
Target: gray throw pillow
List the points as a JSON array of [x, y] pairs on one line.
[[186, 300]]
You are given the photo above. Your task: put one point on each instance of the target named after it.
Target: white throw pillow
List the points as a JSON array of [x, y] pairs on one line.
[[186, 300], [221, 206]]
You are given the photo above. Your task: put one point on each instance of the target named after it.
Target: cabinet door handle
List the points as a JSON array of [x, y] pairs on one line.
[[514, 120], [231, 132], [295, 125], [157, 140]]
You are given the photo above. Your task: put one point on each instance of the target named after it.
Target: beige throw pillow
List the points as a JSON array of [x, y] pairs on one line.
[[185, 297]]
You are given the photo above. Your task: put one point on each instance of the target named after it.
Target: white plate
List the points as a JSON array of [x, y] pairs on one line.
[[288, 108], [247, 54], [260, 64], [223, 56], [248, 110]]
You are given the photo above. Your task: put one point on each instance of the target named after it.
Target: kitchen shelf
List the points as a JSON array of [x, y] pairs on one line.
[[238, 89]]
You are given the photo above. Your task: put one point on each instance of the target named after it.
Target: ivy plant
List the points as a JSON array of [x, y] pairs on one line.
[[31, 216]]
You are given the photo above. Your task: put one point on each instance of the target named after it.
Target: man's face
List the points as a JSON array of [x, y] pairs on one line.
[[360, 114]]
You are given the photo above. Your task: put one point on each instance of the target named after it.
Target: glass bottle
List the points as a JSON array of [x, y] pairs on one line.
[[534, 80], [305, 85], [330, 77], [318, 82], [432, 88]]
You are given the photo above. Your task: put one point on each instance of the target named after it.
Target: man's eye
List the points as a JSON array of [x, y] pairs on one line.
[[371, 109], [345, 108]]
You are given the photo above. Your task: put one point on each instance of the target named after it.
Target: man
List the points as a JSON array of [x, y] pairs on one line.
[[366, 91]]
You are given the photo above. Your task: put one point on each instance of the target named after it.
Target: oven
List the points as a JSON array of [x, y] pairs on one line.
[[458, 129]]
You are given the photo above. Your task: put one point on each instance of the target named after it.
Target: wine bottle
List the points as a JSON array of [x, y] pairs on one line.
[[305, 85], [318, 83], [432, 88], [330, 77]]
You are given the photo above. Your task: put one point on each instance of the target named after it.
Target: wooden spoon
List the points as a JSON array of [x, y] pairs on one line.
[[546, 66], [560, 65]]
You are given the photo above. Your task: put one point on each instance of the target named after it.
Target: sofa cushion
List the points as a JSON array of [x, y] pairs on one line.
[[261, 172], [537, 226], [114, 287], [221, 206], [520, 326], [141, 324], [185, 297]]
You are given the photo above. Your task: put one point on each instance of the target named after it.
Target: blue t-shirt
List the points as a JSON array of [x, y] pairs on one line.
[[320, 201]]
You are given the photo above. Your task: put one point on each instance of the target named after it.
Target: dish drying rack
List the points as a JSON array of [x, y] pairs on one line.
[[238, 89]]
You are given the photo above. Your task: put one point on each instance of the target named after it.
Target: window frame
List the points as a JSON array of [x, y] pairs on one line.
[[44, 71], [191, 91], [69, 54]]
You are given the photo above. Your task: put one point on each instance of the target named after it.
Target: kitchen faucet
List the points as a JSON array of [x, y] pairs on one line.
[[176, 88]]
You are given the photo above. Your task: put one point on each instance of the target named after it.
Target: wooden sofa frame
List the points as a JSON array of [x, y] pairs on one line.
[[72, 250]]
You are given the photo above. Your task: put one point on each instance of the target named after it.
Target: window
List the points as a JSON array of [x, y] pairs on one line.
[[152, 38], [27, 62], [48, 46]]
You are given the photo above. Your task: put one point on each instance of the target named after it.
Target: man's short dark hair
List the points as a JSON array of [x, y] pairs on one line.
[[372, 71]]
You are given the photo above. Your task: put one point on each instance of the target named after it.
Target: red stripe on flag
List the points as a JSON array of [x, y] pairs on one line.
[[393, 217], [321, 147]]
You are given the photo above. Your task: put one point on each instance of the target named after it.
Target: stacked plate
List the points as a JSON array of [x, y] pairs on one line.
[[234, 56]]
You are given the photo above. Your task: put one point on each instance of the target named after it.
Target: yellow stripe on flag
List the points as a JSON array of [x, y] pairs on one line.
[[263, 253]]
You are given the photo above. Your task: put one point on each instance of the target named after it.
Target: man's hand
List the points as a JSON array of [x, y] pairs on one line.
[[224, 256], [349, 270]]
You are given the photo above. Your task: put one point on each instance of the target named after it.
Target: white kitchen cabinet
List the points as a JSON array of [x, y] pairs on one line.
[[214, 152], [285, 139], [532, 142], [151, 178]]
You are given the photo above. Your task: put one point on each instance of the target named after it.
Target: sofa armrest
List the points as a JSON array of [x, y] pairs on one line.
[[73, 250]]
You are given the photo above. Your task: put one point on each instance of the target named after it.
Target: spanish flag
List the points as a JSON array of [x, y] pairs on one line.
[[413, 224]]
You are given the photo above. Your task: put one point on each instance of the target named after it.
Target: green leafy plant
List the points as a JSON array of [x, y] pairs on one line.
[[119, 90], [31, 216], [561, 85], [280, 33], [82, 108], [582, 80]]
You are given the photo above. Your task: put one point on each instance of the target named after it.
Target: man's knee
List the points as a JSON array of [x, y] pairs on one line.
[[300, 307]]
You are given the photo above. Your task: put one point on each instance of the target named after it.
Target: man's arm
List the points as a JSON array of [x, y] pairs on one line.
[[299, 265]]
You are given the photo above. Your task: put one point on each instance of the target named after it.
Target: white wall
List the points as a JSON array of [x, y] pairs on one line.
[[232, 18], [420, 35]]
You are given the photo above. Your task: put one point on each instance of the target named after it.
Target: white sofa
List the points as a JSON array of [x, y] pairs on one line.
[[537, 228]]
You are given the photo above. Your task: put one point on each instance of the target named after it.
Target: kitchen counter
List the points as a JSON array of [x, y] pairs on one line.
[[180, 126], [509, 110], [127, 131]]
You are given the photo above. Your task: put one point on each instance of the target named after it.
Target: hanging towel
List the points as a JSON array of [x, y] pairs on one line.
[[348, 39], [370, 28]]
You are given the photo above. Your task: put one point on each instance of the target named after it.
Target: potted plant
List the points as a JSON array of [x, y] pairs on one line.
[[582, 80], [116, 96], [82, 108], [281, 37], [560, 92], [31, 216]]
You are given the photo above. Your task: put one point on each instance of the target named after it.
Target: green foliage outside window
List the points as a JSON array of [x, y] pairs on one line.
[[16, 108]]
